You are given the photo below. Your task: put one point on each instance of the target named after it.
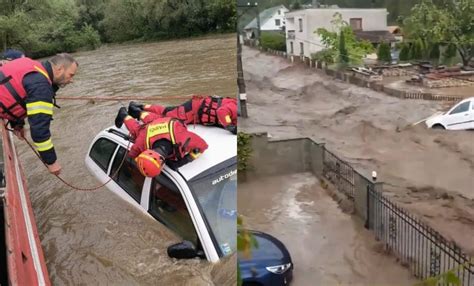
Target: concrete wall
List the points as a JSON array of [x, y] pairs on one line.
[[278, 157]]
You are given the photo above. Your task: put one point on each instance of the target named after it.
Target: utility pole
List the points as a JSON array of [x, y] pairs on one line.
[[258, 23], [240, 70]]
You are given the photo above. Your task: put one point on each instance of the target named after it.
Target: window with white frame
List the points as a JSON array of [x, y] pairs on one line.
[[300, 24], [277, 22]]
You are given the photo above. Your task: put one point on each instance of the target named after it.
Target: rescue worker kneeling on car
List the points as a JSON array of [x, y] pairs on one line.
[[158, 140], [205, 110]]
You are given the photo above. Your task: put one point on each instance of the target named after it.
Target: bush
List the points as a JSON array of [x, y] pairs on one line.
[[325, 55], [383, 53], [416, 51], [273, 40], [435, 52], [405, 52], [88, 37], [244, 150]]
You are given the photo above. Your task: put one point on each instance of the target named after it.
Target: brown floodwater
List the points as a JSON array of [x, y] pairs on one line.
[[429, 172], [95, 238], [327, 246]]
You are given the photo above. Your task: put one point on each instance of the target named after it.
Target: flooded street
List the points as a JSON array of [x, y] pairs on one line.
[[95, 238], [429, 172], [328, 247]]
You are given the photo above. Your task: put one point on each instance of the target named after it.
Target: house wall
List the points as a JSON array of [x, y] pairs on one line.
[[312, 19], [269, 25]]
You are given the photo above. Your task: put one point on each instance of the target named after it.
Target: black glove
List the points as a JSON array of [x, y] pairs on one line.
[[176, 164], [136, 104], [122, 113], [18, 124], [135, 109], [232, 129]]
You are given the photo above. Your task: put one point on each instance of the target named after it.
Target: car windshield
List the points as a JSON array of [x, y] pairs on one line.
[[216, 193]]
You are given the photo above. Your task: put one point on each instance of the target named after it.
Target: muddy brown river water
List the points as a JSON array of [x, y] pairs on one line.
[[95, 238]]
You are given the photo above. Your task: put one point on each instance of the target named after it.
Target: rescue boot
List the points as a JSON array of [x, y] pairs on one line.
[[232, 129], [135, 109], [122, 113]]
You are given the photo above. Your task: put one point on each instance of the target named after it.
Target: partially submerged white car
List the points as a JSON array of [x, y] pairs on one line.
[[197, 201], [459, 117]]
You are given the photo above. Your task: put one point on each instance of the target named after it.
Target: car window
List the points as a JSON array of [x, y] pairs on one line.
[[102, 152], [216, 193], [463, 107], [168, 206], [128, 177]]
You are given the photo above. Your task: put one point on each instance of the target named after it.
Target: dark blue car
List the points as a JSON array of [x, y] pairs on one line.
[[270, 263]]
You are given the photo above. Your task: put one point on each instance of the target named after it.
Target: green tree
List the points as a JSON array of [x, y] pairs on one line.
[[356, 50], [434, 52], [245, 243], [445, 22], [405, 52], [450, 51], [273, 40], [416, 50], [343, 55], [383, 53], [328, 56], [296, 5]]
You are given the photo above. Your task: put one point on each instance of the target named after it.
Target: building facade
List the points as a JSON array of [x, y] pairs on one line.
[[271, 19], [301, 26]]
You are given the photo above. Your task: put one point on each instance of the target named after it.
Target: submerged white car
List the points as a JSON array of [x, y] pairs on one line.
[[459, 117], [197, 201]]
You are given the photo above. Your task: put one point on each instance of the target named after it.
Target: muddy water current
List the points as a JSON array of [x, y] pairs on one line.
[[428, 172], [95, 238], [328, 247]]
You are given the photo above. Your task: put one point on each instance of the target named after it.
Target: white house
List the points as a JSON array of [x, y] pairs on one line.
[[271, 19], [301, 39]]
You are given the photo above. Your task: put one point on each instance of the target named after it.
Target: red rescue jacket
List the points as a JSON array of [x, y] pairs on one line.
[[208, 110], [12, 92], [184, 142]]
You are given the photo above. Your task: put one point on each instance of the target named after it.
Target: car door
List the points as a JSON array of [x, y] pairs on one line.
[[459, 117], [471, 116], [128, 179], [166, 204]]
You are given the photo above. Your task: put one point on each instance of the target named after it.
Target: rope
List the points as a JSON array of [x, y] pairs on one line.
[[119, 98], [69, 184]]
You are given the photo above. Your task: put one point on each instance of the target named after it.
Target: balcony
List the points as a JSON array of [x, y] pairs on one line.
[[291, 35]]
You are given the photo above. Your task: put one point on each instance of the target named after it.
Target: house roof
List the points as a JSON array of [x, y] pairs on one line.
[[394, 29], [375, 36], [265, 15]]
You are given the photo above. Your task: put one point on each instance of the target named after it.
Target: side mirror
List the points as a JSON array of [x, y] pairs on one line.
[[184, 250]]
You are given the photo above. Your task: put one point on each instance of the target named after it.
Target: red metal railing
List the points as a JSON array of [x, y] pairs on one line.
[[25, 260]]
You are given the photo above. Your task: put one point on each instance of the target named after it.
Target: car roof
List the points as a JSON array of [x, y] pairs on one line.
[[222, 147]]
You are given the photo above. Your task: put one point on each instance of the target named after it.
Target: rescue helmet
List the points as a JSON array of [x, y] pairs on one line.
[[150, 163]]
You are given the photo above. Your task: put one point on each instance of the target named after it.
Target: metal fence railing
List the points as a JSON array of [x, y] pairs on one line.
[[416, 245], [339, 173]]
